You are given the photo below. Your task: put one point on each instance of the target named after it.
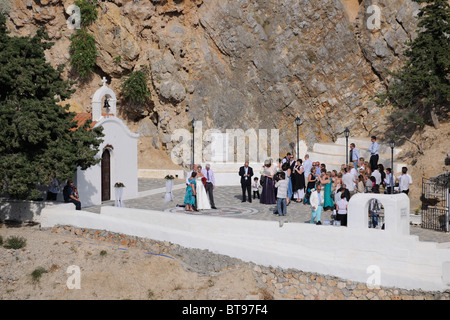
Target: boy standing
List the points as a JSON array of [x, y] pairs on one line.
[[255, 188]]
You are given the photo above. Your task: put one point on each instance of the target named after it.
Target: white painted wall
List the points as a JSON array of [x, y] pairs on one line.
[[396, 211], [124, 166]]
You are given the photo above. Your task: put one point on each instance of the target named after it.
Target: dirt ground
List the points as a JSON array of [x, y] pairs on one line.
[[107, 271]]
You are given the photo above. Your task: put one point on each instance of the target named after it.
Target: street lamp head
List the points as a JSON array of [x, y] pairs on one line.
[[193, 122], [298, 121], [392, 143], [346, 132]]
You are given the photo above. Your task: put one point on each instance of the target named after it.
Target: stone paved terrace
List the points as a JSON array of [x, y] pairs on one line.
[[228, 200]]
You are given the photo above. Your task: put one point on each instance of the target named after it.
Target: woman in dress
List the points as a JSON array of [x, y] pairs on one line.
[[202, 198], [268, 189], [298, 181], [189, 198], [312, 178], [327, 200], [338, 182], [361, 184]]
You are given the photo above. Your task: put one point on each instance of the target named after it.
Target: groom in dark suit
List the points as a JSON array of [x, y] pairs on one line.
[[246, 174]]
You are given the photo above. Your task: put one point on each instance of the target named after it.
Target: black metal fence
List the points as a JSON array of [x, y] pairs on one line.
[[435, 203]]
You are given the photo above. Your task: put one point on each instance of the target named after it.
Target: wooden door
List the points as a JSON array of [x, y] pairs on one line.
[[106, 176]]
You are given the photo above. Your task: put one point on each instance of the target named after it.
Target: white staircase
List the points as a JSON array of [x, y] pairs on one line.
[[334, 154]]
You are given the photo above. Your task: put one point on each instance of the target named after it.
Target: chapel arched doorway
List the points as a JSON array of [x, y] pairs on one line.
[[106, 175]]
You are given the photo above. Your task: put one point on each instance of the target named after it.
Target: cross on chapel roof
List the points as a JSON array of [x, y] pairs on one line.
[[104, 81]]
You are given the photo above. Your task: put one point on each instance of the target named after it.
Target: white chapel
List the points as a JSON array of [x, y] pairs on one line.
[[118, 154]]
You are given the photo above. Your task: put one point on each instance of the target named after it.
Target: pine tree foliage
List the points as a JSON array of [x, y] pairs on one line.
[[38, 137], [88, 11], [82, 44], [135, 88], [421, 88], [136, 93]]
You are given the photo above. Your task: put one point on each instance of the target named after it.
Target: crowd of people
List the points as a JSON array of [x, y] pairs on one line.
[[304, 181], [308, 182]]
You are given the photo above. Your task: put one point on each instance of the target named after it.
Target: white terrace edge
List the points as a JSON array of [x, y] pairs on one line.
[[350, 253]]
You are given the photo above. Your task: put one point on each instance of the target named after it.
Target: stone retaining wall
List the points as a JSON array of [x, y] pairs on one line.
[[277, 283]]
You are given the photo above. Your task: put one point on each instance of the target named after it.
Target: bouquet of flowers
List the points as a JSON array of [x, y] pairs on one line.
[[119, 185], [108, 147], [204, 181], [169, 177]]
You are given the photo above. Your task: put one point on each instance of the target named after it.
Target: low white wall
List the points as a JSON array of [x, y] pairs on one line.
[[348, 253], [25, 210], [396, 211]]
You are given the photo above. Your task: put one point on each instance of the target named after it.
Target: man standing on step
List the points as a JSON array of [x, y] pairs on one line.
[[210, 184], [354, 155], [374, 150]]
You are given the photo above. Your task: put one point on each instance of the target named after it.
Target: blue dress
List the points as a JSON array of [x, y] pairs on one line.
[[328, 200], [189, 198]]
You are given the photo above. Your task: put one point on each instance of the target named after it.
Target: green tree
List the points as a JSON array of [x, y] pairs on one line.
[[420, 90], [82, 47], [88, 11], [83, 53], [39, 140], [135, 90]]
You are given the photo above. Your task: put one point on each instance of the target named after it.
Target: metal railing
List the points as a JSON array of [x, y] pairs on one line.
[[435, 203]]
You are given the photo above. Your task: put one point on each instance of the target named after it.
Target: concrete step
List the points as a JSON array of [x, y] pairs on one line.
[[335, 161], [340, 149], [336, 150], [364, 144], [332, 154]]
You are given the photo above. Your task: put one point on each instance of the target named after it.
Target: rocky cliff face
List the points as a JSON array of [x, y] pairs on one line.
[[240, 63]]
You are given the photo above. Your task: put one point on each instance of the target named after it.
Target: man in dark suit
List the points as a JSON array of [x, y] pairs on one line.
[[246, 174]]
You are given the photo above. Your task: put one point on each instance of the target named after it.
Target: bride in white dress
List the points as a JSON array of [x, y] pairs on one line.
[[202, 197]]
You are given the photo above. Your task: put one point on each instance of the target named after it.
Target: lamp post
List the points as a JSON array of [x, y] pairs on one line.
[[298, 123], [193, 141], [392, 143], [346, 133]]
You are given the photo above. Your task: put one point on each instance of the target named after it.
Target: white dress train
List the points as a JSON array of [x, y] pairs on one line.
[[202, 197]]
